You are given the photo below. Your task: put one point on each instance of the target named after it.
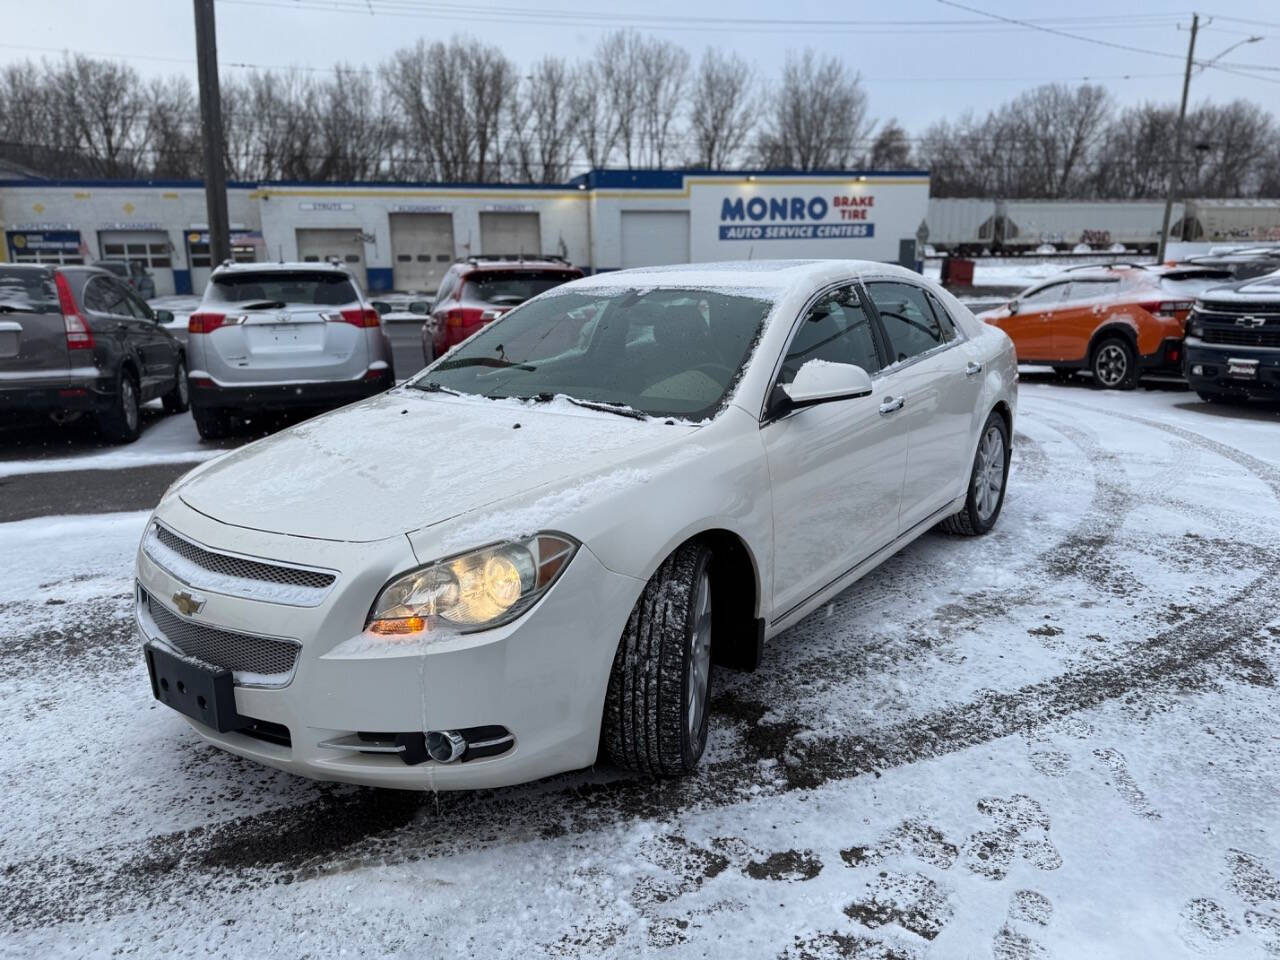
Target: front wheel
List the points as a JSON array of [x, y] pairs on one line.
[[1115, 365], [987, 482], [655, 714]]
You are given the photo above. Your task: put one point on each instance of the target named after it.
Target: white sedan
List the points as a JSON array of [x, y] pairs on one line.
[[532, 555]]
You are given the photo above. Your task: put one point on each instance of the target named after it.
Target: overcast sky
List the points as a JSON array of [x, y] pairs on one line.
[[920, 59]]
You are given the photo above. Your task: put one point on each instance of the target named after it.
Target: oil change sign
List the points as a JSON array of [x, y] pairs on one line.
[[802, 217]]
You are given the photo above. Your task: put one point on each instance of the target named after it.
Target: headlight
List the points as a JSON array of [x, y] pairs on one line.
[[1195, 328], [472, 591]]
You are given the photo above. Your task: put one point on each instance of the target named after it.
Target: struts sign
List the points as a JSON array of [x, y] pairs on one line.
[[842, 216]]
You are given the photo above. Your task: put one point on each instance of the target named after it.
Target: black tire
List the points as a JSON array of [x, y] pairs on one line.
[[1114, 364], [121, 422], [212, 424], [178, 400], [648, 726], [978, 516]]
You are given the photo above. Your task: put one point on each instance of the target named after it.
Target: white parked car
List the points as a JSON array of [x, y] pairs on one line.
[[537, 549]]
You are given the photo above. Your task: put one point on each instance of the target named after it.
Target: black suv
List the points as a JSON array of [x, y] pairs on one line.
[[78, 340], [1232, 349]]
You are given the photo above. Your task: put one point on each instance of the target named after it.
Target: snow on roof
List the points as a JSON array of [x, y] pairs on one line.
[[269, 266], [755, 275]]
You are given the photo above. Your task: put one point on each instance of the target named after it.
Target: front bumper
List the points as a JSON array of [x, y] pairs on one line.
[[1213, 361], [542, 677], [207, 394]]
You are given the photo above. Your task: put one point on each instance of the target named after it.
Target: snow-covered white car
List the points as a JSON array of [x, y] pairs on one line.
[[535, 550]]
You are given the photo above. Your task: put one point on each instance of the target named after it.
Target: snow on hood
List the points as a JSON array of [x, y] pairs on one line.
[[407, 460], [1259, 289]]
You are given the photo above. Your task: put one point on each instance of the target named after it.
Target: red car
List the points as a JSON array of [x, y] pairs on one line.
[[480, 289]]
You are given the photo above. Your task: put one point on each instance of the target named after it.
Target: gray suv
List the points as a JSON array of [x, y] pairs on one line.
[[269, 336], [76, 340]]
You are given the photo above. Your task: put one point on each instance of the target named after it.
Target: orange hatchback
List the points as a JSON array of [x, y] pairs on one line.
[[1115, 321]]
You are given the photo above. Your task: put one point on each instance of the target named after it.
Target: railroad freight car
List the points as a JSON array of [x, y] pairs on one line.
[[972, 227], [1227, 221]]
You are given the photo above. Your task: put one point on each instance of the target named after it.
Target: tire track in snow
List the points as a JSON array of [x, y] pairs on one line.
[[368, 828]]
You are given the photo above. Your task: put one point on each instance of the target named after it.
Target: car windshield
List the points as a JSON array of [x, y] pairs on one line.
[[1192, 283], [320, 287], [512, 286], [664, 352], [27, 288]]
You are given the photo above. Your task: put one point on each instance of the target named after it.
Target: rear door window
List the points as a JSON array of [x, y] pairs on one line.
[[1091, 289], [1044, 296], [107, 295], [318, 287], [907, 319]]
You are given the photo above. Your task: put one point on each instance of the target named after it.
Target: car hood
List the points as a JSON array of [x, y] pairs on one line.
[[1264, 289], [406, 460]]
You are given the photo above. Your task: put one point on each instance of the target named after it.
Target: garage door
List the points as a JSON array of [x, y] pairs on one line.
[[343, 243], [421, 249], [505, 234], [654, 237], [148, 247]]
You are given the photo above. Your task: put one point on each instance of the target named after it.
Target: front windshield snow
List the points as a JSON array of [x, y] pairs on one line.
[[664, 352]]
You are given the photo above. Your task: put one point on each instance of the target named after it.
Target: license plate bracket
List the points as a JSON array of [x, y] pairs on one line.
[[197, 690], [1242, 369]]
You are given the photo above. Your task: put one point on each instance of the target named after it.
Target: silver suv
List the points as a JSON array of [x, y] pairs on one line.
[[269, 336]]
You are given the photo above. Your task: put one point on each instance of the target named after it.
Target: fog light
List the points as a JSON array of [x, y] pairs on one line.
[[1198, 370]]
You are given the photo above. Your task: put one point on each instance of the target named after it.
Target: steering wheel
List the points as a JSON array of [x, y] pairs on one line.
[[718, 368]]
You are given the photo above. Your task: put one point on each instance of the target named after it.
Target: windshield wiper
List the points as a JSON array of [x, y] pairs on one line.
[[484, 362], [430, 386], [620, 409]]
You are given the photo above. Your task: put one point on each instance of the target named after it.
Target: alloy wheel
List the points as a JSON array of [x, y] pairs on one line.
[[698, 675], [129, 403], [988, 478], [1112, 365]]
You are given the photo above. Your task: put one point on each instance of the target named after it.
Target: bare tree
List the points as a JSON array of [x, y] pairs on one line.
[[542, 122], [816, 118], [663, 71], [172, 130], [454, 97], [891, 150], [722, 114], [1057, 127], [595, 124], [104, 109], [617, 69], [355, 132]]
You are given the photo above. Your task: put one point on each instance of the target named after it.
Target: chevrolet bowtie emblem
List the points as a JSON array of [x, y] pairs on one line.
[[1250, 321], [187, 603]]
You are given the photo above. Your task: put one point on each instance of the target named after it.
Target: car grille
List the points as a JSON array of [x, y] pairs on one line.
[[1243, 336], [268, 659], [238, 576]]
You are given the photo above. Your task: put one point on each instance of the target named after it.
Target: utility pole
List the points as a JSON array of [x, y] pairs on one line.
[[1175, 175], [215, 175]]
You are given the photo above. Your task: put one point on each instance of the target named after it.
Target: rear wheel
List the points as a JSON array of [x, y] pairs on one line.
[[212, 424], [655, 715], [1115, 365], [986, 482], [178, 399], [121, 422]]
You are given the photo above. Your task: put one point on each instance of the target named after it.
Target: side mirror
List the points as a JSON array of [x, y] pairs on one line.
[[820, 381], [1012, 306], [163, 316], [419, 307]]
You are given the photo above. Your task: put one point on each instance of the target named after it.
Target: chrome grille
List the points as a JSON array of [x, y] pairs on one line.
[[1243, 336], [229, 566], [268, 657]]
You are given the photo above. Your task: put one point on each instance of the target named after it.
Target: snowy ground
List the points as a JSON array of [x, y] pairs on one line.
[[1059, 740]]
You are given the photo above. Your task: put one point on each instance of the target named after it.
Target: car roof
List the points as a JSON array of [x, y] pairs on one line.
[[762, 275], [514, 263], [280, 266]]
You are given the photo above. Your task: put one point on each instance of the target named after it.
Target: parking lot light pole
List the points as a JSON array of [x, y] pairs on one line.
[[215, 176], [1175, 175]]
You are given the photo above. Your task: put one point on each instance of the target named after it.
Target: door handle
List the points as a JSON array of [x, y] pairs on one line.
[[972, 368], [889, 405]]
